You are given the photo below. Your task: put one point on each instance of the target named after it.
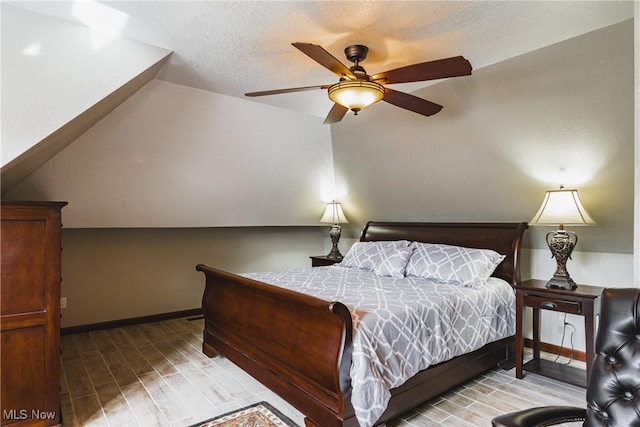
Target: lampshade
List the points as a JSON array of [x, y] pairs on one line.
[[356, 94], [562, 207], [333, 214]]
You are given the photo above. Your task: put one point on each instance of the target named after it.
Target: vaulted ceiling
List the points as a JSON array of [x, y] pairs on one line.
[[234, 47]]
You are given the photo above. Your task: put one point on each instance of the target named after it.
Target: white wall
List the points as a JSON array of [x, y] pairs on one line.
[[174, 156], [637, 145]]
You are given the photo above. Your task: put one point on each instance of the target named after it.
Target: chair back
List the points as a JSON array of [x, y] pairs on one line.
[[613, 392]]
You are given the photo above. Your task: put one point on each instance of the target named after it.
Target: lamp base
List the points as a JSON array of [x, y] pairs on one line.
[[561, 283], [561, 244], [334, 255], [335, 233]]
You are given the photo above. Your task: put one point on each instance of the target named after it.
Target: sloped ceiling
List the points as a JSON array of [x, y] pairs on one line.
[[230, 48], [58, 80], [234, 47]]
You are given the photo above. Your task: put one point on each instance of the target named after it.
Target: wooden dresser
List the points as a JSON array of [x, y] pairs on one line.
[[30, 313]]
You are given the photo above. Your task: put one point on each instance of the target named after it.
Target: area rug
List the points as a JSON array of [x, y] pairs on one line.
[[259, 414]]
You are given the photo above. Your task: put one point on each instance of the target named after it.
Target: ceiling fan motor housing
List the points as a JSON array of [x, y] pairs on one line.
[[356, 53]]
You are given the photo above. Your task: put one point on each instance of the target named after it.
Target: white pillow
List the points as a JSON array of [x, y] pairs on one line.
[[366, 255], [453, 264], [393, 262]]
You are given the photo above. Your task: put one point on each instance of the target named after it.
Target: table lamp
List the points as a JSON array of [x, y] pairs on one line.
[[562, 207], [333, 215]]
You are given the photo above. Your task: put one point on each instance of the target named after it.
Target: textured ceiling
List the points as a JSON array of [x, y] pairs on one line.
[[244, 46]]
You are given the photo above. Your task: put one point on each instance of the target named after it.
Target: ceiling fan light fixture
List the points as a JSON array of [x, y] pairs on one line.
[[356, 94]]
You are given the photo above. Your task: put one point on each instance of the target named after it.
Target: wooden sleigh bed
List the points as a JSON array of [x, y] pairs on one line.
[[300, 346]]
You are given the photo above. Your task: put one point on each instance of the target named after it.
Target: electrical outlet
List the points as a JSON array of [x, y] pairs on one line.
[[63, 302]]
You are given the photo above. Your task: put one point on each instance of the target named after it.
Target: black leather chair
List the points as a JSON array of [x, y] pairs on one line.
[[613, 392]]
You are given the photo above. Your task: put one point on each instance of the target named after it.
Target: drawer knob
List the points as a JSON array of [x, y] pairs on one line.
[[549, 305]]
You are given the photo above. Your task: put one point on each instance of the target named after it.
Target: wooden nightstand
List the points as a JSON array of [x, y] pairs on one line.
[[583, 300], [321, 260]]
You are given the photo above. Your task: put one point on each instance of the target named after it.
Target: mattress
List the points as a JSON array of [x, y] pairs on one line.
[[403, 325]]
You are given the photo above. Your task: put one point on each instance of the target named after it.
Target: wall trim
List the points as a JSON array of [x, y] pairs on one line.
[[69, 330]]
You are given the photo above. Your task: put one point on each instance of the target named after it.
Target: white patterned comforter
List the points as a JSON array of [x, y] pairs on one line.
[[402, 326]]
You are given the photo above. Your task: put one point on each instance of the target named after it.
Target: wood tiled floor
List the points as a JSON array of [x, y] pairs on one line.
[[156, 375]]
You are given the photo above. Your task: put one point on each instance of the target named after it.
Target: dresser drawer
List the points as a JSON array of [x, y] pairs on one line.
[[572, 307]]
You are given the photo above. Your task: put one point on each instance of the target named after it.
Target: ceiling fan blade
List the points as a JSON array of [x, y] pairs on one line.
[[336, 114], [410, 102], [293, 89], [439, 69], [324, 58]]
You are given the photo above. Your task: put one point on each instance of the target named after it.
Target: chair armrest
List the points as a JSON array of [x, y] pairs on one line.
[[542, 416]]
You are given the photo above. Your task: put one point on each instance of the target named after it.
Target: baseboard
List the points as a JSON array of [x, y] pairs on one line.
[[128, 322], [556, 349]]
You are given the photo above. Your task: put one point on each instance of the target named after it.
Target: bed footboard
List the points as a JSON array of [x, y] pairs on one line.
[[296, 345]]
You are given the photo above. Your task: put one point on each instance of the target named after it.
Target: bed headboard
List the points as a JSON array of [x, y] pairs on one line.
[[504, 238]]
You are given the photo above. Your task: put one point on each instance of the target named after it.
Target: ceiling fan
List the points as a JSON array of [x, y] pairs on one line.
[[357, 89]]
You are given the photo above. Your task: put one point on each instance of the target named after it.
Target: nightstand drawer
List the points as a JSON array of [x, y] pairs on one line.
[[572, 307]]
